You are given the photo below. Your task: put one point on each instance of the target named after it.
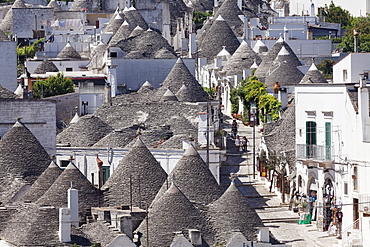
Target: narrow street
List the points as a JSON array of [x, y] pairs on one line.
[[282, 222]]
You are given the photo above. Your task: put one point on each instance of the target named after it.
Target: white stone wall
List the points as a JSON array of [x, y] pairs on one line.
[[355, 64], [134, 72], [38, 115], [85, 159], [8, 65]]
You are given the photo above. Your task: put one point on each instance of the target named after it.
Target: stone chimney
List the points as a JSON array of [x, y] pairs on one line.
[[64, 225], [73, 205], [195, 237], [263, 235]]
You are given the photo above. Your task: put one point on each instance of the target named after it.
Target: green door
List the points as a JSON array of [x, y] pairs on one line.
[[310, 139], [328, 141]]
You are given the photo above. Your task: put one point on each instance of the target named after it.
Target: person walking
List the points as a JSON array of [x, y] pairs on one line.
[[244, 144], [234, 129], [237, 144]]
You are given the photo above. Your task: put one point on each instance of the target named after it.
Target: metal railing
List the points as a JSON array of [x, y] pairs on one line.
[[348, 233], [315, 152]]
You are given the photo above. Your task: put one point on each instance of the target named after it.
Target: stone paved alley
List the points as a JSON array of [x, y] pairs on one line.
[[282, 222]]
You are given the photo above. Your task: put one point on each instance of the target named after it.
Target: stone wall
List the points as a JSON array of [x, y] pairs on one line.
[[27, 19], [8, 65], [38, 116], [65, 108]]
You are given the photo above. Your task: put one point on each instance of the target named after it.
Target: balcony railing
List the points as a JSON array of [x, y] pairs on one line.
[[315, 152]]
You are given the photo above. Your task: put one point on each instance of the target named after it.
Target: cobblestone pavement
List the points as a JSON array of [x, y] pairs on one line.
[[282, 222]]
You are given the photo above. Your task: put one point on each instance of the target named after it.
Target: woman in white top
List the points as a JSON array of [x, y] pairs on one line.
[[237, 143]]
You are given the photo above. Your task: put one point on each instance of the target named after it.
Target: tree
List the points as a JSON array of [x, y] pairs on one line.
[[200, 17], [54, 85], [326, 68], [362, 26], [253, 89], [335, 14], [269, 106]]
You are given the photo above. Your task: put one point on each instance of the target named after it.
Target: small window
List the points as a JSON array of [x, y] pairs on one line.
[[69, 69], [345, 188], [42, 27], [345, 75], [113, 54], [64, 163]]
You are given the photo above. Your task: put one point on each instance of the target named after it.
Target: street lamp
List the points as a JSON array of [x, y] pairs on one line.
[[253, 118]]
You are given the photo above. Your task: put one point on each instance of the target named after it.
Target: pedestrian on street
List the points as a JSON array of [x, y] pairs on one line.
[[234, 128], [237, 144], [244, 144]]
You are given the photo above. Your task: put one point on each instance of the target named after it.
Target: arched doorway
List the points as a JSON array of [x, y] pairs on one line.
[[329, 202]]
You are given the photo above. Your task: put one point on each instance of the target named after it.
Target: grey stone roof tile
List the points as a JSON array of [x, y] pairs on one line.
[[33, 225], [46, 66], [78, 5], [313, 75], [232, 212], [145, 172], [193, 177], [97, 56], [6, 94], [219, 35], [117, 138], [148, 43], [139, 20], [242, 59], [179, 76], [146, 87], [85, 133], [169, 96], [271, 55], [55, 5], [56, 195], [43, 183], [230, 11], [21, 154], [164, 53], [173, 212], [122, 33], [69, 52], [19, 4], [283, 70], [114, 24]]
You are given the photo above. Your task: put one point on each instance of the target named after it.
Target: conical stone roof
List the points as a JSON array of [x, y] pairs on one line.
[[122, 33], [46, 66], [57, 194], [97, 56], [117, 138], [75, 118], [136, 32], [139, 20], [230, 11], [147, 43], [21, 154], [85, 133], [147, 177], [69, 52], [6, 94], [19, 4], [271, 55], [283, 70], [82, 4], [43, 183], [260, 47], [185, 95], [242, 59], [173, 212], [169, 96], [178, 76], [313, 75], [192, 176], [231, 213], [219, 35], [114, 24], [164, 53], [146, 87], [53, 4]]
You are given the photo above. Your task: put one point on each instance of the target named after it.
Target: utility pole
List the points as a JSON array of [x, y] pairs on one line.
[[254, 111]]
